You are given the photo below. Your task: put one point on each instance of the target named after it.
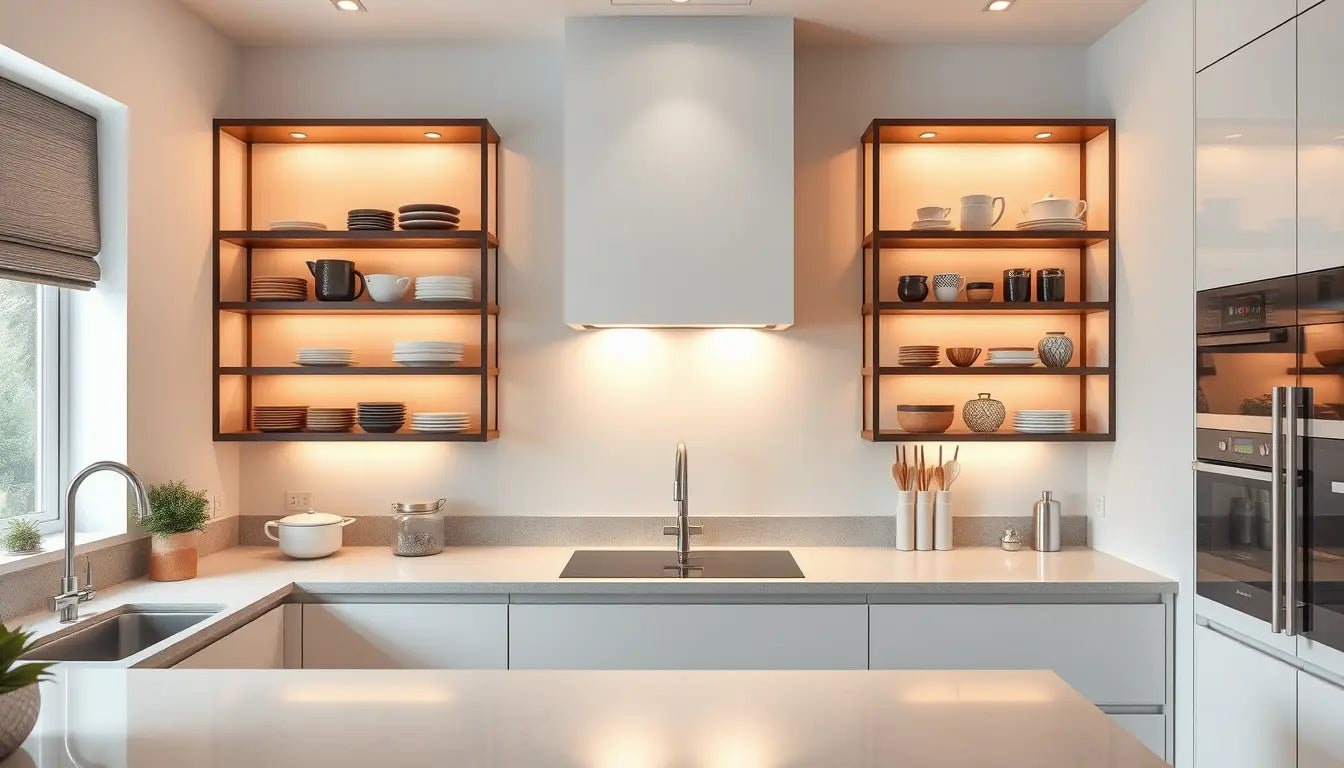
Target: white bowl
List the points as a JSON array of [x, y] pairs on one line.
[[387, 287]]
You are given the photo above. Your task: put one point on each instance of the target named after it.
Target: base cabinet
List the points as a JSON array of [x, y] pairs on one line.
[[259, 644], [1320, 723], [1149, 729], [405, 636], [1245, 705]]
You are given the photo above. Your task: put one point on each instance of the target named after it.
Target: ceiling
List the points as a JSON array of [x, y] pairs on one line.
[[291, 22]]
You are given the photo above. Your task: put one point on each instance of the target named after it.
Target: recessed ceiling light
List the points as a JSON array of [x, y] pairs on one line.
[[1339, 138], [1044, 135], [1234, 136], [349, 5], [298, 135], [433, 135], [927, 135], [681, 2], [999, 5]]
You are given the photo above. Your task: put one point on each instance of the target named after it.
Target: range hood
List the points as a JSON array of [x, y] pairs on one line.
[[678, 172]]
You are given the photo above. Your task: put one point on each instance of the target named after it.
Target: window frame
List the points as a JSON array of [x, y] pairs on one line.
[[53, 379]]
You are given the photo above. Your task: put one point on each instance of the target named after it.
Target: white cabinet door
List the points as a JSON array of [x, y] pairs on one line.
[[1303, 5], [1320, 137], [405, 636], [1149, 729], [259, 644], [1221, 26], [614, 636], [1113, 654], [1246, 164], [1320, 723], [1245, 705]]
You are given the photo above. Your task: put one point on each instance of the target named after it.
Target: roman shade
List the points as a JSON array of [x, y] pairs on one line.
[[48, 190]]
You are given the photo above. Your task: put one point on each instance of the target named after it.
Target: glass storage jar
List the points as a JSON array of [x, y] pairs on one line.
[[418, 528]]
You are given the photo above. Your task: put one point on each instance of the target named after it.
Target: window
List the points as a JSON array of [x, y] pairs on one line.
[[31, 399]]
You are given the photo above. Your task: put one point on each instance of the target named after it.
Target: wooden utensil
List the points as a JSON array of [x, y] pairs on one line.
[[951, 470], [938, 479]]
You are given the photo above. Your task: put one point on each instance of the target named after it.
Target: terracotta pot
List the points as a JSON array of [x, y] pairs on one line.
[[173, 557], [18, 715]]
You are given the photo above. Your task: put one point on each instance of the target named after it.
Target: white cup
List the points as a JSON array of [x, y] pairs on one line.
[[932, 213], [387, 287], [979, 217], [947, 293]]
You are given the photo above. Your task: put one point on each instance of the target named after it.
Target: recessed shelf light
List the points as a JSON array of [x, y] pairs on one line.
[[349, 5], [681, 2], [927, 135], [298, 135], [433, 135], [1339, 138], [999, 5], [1044, 135], [1234, 136]]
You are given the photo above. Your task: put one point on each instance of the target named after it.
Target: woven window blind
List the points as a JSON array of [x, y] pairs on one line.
[[48, 190]]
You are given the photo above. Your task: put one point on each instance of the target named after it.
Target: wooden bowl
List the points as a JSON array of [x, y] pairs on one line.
[[962, 356], [979, 294], [925, 419], [1330, 358]]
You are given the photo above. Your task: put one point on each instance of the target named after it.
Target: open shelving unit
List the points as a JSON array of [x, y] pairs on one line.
[[904, 169], [263, 173]]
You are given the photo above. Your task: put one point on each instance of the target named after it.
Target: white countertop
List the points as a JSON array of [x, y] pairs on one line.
[[551, 719], [244, 582]]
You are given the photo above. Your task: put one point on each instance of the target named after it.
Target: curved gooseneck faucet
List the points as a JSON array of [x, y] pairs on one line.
[[67, 602]]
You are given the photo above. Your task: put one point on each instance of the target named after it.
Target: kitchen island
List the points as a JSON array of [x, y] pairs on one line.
[[584, 719]]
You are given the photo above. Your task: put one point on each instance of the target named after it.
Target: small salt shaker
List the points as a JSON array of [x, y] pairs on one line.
[[1011, 541]]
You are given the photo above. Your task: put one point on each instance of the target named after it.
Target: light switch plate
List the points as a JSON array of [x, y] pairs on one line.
[[298, 501], [1099, 507]]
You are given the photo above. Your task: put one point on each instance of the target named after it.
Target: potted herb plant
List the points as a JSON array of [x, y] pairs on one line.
[[177, 515], [21, 537], [19, 700]]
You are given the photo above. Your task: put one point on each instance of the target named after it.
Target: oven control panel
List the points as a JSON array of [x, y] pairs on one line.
[[1231, 447]]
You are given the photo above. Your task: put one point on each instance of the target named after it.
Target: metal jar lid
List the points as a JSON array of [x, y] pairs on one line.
[[417, 507]]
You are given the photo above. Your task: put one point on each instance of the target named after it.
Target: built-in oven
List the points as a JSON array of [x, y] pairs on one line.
[[1248, 342]]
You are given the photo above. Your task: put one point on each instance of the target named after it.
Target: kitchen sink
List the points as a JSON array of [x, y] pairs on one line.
[[121, 633], [662, 564]]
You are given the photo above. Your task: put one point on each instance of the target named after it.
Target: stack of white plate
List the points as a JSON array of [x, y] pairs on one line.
[[325, 356], [444, 288], [421, 354], [1020, 357], [440, 422], [331, 419], [1068, 223], [278, 289], [917, 356], [931, 224], [1043, 422], [299, 225], [279, 418]]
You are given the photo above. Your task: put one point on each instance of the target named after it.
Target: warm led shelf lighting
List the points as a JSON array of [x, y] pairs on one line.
[[1044, 135], [433, 135], [999, 5], [349, 5], [297, 135], [927, 135]]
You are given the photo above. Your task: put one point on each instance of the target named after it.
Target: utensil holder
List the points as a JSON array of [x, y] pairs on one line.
[[905, 520], [942, 520], [924, 521]]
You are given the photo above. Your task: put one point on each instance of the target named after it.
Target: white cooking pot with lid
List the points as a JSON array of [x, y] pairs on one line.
[[308, 535], [1051, 207]]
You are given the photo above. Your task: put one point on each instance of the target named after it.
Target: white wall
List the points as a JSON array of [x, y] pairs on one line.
[[1142, 73], [173, 73], [589, 419]]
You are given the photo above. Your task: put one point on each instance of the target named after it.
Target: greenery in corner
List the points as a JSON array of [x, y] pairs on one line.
[[175, 508], [21, 535], [13, 676]]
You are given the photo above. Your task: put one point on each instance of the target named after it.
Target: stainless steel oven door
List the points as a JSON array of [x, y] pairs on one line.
[[1235, 538], [1323, 542], [1236, 373]]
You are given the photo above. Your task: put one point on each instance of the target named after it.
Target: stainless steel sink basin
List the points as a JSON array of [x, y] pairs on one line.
[[662, 564], [121, 633]]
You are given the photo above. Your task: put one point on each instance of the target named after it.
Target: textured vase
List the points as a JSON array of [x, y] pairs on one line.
[[173, 557], [1055, 350], [983, 414], [18, 715]]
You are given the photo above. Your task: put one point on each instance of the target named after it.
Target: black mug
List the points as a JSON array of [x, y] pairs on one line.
[[913, 288], [334, 280], [1017, 285], [1050, 284]]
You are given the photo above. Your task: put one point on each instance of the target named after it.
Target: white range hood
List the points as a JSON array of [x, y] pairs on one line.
[[678, 172]]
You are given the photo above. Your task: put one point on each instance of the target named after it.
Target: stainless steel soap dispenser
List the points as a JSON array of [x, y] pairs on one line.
[[1045, 522]]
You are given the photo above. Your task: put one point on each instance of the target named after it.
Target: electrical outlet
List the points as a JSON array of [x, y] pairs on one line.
[[216, 506], [298, 501], [1099, 507]]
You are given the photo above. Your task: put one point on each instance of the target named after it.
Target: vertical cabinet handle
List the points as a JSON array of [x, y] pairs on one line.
[[1276, 509], [1290, 494]]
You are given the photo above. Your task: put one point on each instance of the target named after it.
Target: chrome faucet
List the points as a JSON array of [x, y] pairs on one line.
[[67, 602], [683, 530]]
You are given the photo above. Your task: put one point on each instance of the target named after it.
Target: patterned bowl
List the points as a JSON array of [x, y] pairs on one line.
[[962, 356]]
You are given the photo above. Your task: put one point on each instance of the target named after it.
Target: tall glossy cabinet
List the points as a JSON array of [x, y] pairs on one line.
[[1245, 162], [1222, 26], [1320, 137], [1245, 705]]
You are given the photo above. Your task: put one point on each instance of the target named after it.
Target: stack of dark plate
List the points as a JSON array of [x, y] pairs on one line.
[[369, 218], [279, 418], [428, 216], [381, 417]]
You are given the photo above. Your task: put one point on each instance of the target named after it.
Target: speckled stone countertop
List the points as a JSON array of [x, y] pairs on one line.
[[245, 582]]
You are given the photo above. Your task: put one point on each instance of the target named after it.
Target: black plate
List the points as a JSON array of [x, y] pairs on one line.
[[419, 207]]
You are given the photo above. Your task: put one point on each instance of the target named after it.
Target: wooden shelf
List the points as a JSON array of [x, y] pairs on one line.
[[356, 307], [1334, 370], [356, 437], [984, 370], [989, 307], [892, 239], [886, 436], [977, 131], [342, 238], [356, 370], [384, 131]]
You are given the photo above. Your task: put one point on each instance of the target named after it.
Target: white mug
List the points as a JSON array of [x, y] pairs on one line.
[[387, 287], [947, 294], [977, 211], [933, 213]]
